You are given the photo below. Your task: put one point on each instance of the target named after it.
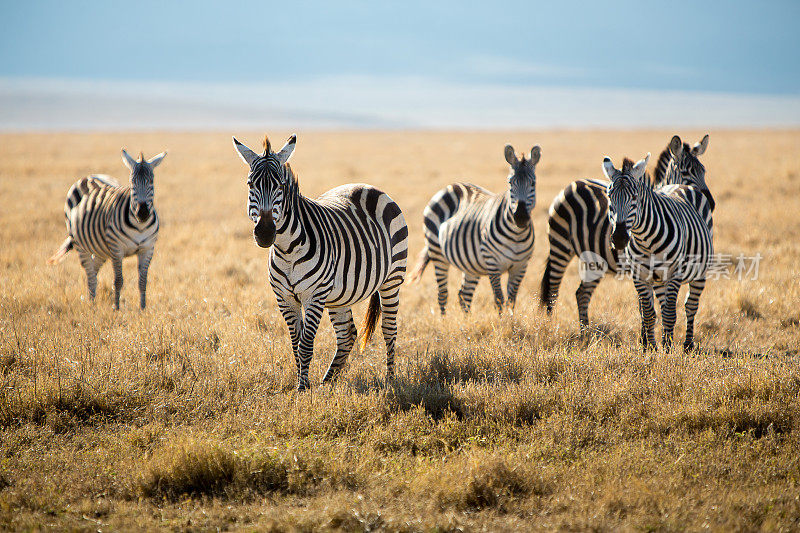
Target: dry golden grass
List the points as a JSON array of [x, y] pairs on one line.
[[184, 417]]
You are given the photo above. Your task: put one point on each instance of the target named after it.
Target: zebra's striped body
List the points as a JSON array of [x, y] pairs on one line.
[[481, 233], [578, 222], [667, 237], [106, 221], [348, 245]]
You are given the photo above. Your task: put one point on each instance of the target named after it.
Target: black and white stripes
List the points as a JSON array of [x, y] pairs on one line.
[[333, 252], [482, 234], [106, 221], [578, 222], [667, 238]]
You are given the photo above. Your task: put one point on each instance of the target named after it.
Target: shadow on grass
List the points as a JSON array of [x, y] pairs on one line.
[[729, 353]]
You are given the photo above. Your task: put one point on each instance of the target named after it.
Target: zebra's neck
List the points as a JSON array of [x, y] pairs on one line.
[[673, 175], [290, 233], [646, 230], [507, 217]]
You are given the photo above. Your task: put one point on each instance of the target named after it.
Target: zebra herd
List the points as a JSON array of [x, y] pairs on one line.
[[350, 244]]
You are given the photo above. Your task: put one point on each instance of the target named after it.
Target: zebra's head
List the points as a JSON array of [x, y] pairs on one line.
[[624, 188], [679, 163], [142, 183], [522, 184], [268, 180]]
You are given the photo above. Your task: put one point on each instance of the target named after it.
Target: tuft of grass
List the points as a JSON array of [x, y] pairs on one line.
[[204, 470], [198, 469], [487, 483], [492, 485], [748, 306]]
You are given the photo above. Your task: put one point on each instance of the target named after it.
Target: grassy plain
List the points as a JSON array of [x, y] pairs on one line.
[[183, 417]]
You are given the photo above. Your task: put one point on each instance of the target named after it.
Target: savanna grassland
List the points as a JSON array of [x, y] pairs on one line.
[[184, 417]]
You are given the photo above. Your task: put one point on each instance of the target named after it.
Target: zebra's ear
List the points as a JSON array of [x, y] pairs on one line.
[[700, 148], [286, 152], [511, 157], [247, 155], [536, 153], [128, 160], [156, 160], [675, 146], [640, 167], [608, 168]]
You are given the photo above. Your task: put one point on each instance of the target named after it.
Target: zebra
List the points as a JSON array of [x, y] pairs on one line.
[[667, 238], [348, 245], [108, 221], [481, 233], [578, 224]]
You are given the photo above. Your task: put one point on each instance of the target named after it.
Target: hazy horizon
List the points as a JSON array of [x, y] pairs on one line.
[[372, 103]]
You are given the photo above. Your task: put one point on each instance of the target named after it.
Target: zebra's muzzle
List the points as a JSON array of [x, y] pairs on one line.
[[620, 237], [142, 212], [521, 215], [264, 232]]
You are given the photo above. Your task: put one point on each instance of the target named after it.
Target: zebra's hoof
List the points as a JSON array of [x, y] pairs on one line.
[[303, 386], [689, 347]]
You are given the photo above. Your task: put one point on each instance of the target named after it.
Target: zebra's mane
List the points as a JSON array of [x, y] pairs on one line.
[[627, 167], [293, 187], [660, 172]]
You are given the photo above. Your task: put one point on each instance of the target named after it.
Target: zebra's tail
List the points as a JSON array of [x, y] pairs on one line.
[[373, 312], [422, 262], [66, 246]]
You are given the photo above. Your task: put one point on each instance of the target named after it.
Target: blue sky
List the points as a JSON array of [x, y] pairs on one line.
[[199, 64], [734, 47]]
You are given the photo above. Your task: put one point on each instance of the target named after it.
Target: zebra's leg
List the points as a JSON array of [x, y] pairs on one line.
[[345, 329], [440, 269], [584, 296], [90, 266], [311, 318], [557, 263], [390, 302], [144, 263], [467, 290], [692, 302], [668, 313], [293, 316], [660, 292], [116, 262], [647, 313], [497, 289], [515, 275]]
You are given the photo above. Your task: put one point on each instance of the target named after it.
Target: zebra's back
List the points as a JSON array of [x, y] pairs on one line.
[[100, 222], [686, 235], [459, 222], [358, 238], [578, 222]]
